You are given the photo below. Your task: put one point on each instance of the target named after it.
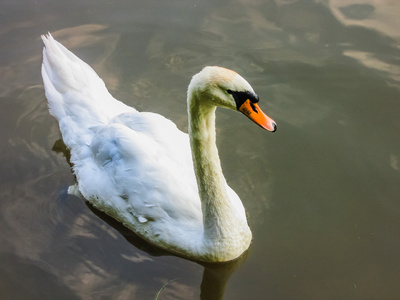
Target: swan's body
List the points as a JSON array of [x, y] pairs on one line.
[[165, 185]]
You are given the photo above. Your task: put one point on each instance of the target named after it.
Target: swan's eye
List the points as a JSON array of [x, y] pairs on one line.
[[253, 107], [241, 97]]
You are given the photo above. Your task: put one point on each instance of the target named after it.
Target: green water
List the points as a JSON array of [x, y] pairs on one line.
[[322, 193]]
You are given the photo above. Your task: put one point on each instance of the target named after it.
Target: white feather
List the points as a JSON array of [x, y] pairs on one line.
[[138, 167]]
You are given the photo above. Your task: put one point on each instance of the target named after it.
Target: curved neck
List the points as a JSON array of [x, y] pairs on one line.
[[218, 212]]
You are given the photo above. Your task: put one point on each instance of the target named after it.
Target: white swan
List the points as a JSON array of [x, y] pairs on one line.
[[139, 168]]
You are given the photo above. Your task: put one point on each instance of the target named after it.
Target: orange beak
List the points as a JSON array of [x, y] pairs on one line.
[[254, 113]]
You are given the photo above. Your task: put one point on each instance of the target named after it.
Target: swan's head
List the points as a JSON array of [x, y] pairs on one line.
[[218, 86]]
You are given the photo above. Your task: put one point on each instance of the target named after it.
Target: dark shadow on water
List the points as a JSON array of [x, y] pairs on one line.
[[215, 275]]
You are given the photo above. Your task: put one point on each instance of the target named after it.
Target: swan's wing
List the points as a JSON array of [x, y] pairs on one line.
[[136, 167], [144, 175], [171, 141]]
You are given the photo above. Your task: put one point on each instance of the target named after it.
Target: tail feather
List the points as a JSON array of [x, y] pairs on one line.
[[64, 73], [66, 69], [77, 96]]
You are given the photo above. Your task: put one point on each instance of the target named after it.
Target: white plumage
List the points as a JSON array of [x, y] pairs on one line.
[[138, 167]]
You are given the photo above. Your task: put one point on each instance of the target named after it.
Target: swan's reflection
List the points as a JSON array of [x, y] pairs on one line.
[[215, 275]]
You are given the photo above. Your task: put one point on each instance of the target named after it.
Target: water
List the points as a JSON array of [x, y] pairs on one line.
[[322, 193]]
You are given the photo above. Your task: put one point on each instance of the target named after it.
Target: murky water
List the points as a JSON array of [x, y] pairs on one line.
[[322, 193]]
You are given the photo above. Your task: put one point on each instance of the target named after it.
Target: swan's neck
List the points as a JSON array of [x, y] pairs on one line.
[[223, 224]]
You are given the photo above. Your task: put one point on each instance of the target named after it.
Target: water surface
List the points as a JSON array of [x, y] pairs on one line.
[[322, 193]]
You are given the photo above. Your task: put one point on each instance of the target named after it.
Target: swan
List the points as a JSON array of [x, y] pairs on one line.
[[138, 167]]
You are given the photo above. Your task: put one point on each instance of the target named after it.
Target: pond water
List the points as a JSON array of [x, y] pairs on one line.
[[322, 193]]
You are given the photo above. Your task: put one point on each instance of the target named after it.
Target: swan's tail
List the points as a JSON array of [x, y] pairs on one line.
[[77, 96]]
